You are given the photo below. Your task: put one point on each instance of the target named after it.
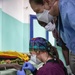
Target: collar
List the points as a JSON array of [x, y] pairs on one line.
[[52, 60]]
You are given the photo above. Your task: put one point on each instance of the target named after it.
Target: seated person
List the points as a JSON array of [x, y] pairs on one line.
[[41, 50]]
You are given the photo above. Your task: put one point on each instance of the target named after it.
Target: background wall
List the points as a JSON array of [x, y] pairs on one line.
[[0, 24], [38, 30], [15, 31]]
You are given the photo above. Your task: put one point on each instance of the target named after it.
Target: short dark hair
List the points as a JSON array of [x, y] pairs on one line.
[[37, 1]]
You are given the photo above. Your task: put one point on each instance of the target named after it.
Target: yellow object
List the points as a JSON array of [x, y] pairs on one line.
[[22, 56]]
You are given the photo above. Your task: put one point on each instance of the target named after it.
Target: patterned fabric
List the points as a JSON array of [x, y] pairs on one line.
[[39, 43]]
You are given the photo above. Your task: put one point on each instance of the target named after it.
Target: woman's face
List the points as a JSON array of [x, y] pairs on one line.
[[37, 53]]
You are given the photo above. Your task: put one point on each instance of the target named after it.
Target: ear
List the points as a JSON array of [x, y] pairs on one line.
[[38, 52], [48, 2]]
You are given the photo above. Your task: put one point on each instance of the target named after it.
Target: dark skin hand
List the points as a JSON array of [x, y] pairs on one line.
[[43, 24], [10, 66], [17, 66]]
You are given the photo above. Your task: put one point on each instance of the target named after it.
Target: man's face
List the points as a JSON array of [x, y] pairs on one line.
[[39, 8], [45, 12]]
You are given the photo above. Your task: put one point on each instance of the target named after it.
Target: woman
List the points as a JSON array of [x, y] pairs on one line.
[[42, 51]]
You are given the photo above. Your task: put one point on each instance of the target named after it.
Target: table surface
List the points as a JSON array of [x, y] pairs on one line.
[[8, 72]]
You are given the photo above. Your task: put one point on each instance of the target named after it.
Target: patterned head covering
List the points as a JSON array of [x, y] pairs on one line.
[[39, 43]]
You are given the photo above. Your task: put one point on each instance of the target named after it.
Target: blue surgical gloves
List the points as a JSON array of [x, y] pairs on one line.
[[29, 66], [69, 70], [21, 72], [26, 66]]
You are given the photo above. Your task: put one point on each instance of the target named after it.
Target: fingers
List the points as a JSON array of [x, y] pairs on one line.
[[25, 68], [26, 64], [21, 72]]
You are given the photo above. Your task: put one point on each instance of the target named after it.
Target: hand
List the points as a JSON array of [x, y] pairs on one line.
[[16, 66], [28, 66], [55, 34], [69, 70], [12, 65], [21, 72]]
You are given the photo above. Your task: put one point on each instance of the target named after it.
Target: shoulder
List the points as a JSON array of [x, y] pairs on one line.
[[67, 5], [46, 69], [50, 69], [51, 66], [61, 63], [67, 10]]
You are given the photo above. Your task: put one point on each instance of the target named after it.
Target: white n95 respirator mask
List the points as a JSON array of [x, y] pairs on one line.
[[50, 26], [34, 59], [44, 16]]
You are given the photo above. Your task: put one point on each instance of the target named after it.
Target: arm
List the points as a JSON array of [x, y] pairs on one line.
[[10, 66], [71, 13], [71, 19]]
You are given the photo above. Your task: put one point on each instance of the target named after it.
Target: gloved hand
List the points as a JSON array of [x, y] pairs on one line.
[[69, 70], [28, 66], [21, 72]]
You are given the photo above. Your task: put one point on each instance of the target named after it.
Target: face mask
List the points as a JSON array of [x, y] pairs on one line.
[[35, 60], [45, 16], [50, 27]]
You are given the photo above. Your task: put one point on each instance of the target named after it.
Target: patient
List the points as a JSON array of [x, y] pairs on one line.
[[10, 66]]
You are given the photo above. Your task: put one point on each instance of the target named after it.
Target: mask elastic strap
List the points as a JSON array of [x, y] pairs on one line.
[[53, 3]]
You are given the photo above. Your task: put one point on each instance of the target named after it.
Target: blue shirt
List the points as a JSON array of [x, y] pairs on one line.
[[67, 28]]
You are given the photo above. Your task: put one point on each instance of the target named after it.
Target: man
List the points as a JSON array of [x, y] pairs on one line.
[[59, 43], [46, 10]]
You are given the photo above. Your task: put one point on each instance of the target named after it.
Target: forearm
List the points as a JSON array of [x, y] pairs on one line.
[[5, 66], [9, 66]]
